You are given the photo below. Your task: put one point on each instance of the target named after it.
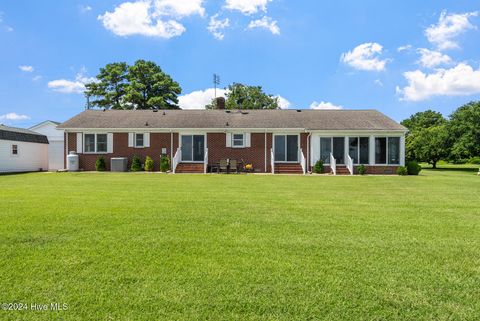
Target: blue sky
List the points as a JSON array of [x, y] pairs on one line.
[[399, 57]]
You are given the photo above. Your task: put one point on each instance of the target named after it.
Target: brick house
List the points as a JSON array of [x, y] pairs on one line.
[[274, 141]]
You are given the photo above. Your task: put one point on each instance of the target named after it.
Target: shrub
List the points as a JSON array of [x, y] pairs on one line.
[[474, 160], [402, 171], [100, 164], [413, 168], [149, 164], [362, 169], [164, 163], [136, 164], [318, 168]]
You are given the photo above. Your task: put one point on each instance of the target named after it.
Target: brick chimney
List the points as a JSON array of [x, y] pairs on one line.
[[220, 103]]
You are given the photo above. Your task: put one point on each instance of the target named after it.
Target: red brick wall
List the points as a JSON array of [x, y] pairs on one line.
[[216, 143], [374, 170], [121, 149]]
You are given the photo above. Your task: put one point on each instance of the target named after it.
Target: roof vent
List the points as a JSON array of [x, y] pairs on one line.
[[155, 109], [244, 112], [227, 124], [146, 123], [103, 109], [164, 113], [299, 110], [227, 111]]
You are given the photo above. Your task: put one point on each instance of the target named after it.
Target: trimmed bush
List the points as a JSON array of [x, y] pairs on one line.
[[100, 165], [362, 169], [164, 163], [136, 164], [474, 160], [413, 168], [402, 171], [149, 164], [318, 168]]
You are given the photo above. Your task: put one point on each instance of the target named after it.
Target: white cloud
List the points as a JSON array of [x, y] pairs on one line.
[[26, 68], [179, 8], [13, 116], [36, 78], [265, 23], [76, 86], [217, 26], [449, 27], [324, 105], [404, 48], [378, 82], [84, 8], [198, 99], [282, 102], [365, 57], [247, 6], [140, 18], [460, 80], [430, 59]]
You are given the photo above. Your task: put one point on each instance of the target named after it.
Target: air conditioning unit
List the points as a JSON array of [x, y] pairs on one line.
[[119, 164]]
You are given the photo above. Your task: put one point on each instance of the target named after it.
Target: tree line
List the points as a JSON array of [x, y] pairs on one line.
[[432, 137], [144, 85]]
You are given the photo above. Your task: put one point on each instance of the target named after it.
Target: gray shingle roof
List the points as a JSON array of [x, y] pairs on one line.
[[221, 119], [21, 135]]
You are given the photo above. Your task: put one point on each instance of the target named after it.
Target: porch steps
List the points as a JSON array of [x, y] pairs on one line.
[[189, 168], [342, 170], [287, 168]]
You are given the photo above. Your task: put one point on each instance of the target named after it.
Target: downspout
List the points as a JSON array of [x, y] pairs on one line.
[[171, 149], [66, 150], [265, 151], [308, 151]]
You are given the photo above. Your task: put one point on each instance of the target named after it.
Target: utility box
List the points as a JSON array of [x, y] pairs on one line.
[[119, 164]]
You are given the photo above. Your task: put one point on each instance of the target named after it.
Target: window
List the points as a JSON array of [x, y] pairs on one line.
[[101, 143], [139, 140], [364, 150], [14, 149], [358, 149], [238, 140], [95, 143], [394, 150], [89, 143], [387, 150], [325, 149]]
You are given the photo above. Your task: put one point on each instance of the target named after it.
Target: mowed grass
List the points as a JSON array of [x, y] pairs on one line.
[[217, 247]]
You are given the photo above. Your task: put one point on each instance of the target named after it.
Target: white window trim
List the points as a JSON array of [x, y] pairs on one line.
[[135, 140], [358, 149], [387, 150], [11, 151], [95, 143], [243, 140]]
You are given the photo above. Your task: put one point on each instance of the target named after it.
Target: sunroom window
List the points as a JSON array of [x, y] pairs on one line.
[[387, 150]]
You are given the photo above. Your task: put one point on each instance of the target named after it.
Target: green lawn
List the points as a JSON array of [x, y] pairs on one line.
[[217, 247]]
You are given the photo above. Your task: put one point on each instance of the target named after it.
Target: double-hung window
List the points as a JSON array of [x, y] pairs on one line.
[[95, 143], [139, 140], [387, 150], [238, 140]]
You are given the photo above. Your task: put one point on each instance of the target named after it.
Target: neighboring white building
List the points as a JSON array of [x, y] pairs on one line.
[[22, 150], [56, 145]]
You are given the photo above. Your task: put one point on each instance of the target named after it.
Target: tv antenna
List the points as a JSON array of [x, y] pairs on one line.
[[216, 82]]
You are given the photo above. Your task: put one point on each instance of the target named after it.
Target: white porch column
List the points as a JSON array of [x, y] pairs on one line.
[[402, 150], [371, 150]]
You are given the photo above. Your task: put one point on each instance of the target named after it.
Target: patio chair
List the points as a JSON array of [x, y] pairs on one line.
[[234, 166], [223, 166]]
